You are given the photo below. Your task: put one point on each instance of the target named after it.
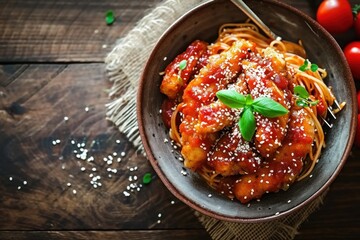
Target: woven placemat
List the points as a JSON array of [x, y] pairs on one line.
[[124, 66]]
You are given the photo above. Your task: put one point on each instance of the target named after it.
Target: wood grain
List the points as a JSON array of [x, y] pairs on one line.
[[88, 235], [63, 31], [338, 218], [47, 166]]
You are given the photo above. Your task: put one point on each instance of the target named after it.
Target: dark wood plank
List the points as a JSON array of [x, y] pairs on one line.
[[72, 31], [40, 31], [35, 170], [338, 218], [69, 31], [86, 235]]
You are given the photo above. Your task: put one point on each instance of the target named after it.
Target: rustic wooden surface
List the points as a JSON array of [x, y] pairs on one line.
[[52, 108]]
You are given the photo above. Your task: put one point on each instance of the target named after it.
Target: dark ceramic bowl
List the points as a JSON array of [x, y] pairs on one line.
[[202, 23]]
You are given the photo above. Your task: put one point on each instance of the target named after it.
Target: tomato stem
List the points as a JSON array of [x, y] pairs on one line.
[[356, 10]]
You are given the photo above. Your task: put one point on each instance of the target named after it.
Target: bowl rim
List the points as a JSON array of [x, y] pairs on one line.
[[196, 206]]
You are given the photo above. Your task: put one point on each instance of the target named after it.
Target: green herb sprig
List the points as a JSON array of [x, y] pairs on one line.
[[109, 17], [147, 178], [356, 10], [182, 66], [263, 105], [307, 66], [303, 97]]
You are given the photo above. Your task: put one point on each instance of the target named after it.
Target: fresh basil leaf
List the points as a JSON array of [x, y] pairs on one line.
[[301, 91], [182, 64], [314, 67], [304, 67], [231, 98], [268, 107], [314, 103], [249, 101], [301, 102], [247, 124]]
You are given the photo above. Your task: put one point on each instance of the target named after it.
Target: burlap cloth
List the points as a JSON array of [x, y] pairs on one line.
[[124, 66]]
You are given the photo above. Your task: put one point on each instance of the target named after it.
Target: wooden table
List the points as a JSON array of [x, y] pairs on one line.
[[52, 116]]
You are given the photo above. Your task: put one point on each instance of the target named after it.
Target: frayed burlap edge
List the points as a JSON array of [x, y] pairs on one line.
[[279, 229], [125, 62], [124, 65]]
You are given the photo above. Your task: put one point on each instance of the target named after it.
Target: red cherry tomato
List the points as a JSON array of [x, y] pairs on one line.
[[357, 136], [352, 54], [335, 16]]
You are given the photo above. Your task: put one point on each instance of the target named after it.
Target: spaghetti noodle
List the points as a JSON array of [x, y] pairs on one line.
[[284, 148]]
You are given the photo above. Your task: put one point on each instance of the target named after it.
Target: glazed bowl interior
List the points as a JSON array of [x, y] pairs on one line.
[[203, 23]]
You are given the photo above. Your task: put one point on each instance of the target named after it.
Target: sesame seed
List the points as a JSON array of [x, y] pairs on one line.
[[184, 172]]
